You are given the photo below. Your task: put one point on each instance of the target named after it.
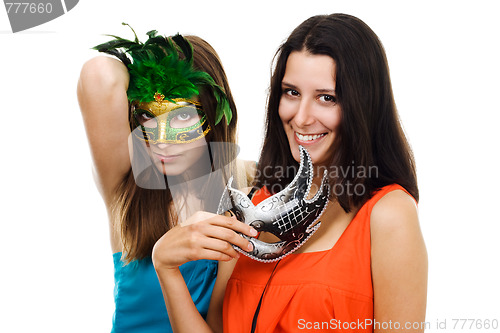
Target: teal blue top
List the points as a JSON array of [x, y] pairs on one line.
[[139, 304]]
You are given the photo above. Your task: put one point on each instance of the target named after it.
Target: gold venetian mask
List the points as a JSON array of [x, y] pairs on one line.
[[180, 120]]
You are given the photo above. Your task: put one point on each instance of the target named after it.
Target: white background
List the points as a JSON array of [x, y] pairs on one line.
[[56, 267]]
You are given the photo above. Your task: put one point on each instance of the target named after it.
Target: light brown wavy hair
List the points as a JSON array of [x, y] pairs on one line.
[[142, 215]]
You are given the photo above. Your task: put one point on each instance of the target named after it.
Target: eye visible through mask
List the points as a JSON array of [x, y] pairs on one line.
[[177, 121]]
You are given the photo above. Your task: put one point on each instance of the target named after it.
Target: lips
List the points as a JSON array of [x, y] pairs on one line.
[[166, 158]]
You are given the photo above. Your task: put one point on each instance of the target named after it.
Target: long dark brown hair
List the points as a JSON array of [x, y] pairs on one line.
[[144, 215], [370, 134]]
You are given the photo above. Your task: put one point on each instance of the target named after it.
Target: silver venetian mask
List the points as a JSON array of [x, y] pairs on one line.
[[288, 214]]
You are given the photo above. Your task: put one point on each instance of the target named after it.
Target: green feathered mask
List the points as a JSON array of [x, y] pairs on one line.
[[155, 67]]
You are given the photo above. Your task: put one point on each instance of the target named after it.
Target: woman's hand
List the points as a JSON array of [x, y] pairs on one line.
[[202, 236]]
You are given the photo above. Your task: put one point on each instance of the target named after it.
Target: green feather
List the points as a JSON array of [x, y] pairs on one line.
[[136, 39], [156, 66], [185, 47]]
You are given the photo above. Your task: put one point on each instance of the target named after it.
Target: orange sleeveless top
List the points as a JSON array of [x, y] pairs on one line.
[[318, 291]]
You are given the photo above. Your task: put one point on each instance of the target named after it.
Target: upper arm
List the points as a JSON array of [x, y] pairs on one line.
[[214, 316], [102, 95], [399, 262]]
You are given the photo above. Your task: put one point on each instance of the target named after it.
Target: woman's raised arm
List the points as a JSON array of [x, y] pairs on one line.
[[102, 95]]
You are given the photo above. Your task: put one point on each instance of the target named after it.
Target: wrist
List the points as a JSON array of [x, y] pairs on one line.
[[165, 269]]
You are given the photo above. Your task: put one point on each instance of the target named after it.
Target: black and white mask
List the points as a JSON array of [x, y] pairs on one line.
[[288, 214]]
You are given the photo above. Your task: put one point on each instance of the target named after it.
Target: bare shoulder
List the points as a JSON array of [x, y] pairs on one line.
[[398, 260], [394, 211]]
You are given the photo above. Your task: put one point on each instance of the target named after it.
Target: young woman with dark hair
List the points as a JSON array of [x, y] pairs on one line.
[[365, 268], [370, 132]]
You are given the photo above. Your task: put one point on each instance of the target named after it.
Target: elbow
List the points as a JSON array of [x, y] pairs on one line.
[[100, 77]]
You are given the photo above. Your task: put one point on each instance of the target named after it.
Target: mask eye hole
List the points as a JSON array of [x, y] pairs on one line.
[[257, 225], [184, 116], [236, 213], [144, 118]]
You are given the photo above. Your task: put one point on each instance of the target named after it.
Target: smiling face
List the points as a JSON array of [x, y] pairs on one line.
[[308, 106]]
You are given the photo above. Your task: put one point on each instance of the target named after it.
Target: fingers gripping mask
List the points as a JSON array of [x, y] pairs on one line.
[[177, 121], [288, 214]]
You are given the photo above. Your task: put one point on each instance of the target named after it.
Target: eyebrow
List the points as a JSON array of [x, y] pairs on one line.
[[324, 91], [329, 91]]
